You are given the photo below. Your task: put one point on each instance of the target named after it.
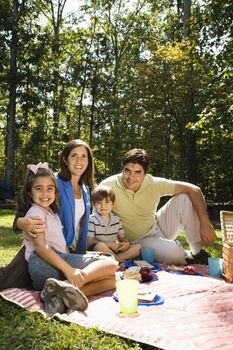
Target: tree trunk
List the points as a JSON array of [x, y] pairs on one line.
[[80, 106], [92, 119], [10, 140], [189, 101]]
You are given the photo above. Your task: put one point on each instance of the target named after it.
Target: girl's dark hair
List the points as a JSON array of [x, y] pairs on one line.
[[88, 176], [24, 198], [101, 192], [136, 155]]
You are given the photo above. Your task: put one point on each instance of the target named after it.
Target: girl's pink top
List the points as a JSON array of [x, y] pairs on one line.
[[53, 231]]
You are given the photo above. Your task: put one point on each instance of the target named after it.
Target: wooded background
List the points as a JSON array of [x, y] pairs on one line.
[[119, 74]]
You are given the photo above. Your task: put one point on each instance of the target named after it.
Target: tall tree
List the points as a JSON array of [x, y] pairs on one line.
[[16, 13], [189, 110], [53, 11]]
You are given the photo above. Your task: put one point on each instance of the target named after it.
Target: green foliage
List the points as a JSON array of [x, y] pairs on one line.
[[120, 77]]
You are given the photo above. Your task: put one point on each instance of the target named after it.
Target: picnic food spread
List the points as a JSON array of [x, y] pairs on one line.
[[139, 270]]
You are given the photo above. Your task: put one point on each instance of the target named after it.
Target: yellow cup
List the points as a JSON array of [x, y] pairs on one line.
[[127, 291]]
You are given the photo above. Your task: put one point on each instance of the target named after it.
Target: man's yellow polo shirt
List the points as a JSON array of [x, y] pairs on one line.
[[137, 210]]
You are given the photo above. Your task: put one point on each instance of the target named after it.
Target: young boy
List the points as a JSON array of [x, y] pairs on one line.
[[105, 233]]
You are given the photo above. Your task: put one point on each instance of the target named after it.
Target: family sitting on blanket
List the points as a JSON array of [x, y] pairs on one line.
[[137, 195]]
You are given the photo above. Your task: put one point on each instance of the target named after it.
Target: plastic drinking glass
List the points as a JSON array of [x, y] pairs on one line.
[[148, 254], [127, 291], [215, 267]]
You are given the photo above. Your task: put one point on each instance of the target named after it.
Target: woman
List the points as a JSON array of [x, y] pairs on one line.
[[74, 180]]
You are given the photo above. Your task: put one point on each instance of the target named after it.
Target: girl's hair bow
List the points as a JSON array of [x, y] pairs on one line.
[[34, 168]]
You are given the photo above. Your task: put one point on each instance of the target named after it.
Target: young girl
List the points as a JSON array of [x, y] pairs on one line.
[[48, 261]]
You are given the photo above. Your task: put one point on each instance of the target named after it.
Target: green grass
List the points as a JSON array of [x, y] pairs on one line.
[[9, 242], [21, 329], [215, 250]]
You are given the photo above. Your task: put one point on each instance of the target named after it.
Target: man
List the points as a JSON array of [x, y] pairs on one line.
[[137, 197]]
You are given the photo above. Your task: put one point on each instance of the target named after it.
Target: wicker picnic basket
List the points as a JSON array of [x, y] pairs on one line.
[[226, 219]]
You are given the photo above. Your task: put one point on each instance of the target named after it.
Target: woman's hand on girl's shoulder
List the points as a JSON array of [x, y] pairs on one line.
[[32, 226]]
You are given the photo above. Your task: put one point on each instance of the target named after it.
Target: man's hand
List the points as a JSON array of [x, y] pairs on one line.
[[31, 226], [208, 234]]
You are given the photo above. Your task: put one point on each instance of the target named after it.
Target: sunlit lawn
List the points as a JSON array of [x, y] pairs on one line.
[[20, 329]]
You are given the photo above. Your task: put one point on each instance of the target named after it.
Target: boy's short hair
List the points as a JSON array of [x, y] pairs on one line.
[[101, 192]]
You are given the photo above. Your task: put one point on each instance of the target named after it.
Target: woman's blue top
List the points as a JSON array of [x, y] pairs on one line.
[[67, 213]]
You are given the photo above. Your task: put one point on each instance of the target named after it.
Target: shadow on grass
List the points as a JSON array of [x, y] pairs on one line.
[[8, 239], [7, 212]]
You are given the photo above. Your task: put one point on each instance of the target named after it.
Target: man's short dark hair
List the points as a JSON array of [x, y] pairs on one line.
[[138, 156]]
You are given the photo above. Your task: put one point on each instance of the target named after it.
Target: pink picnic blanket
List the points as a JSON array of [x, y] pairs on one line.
[[197, 313]]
